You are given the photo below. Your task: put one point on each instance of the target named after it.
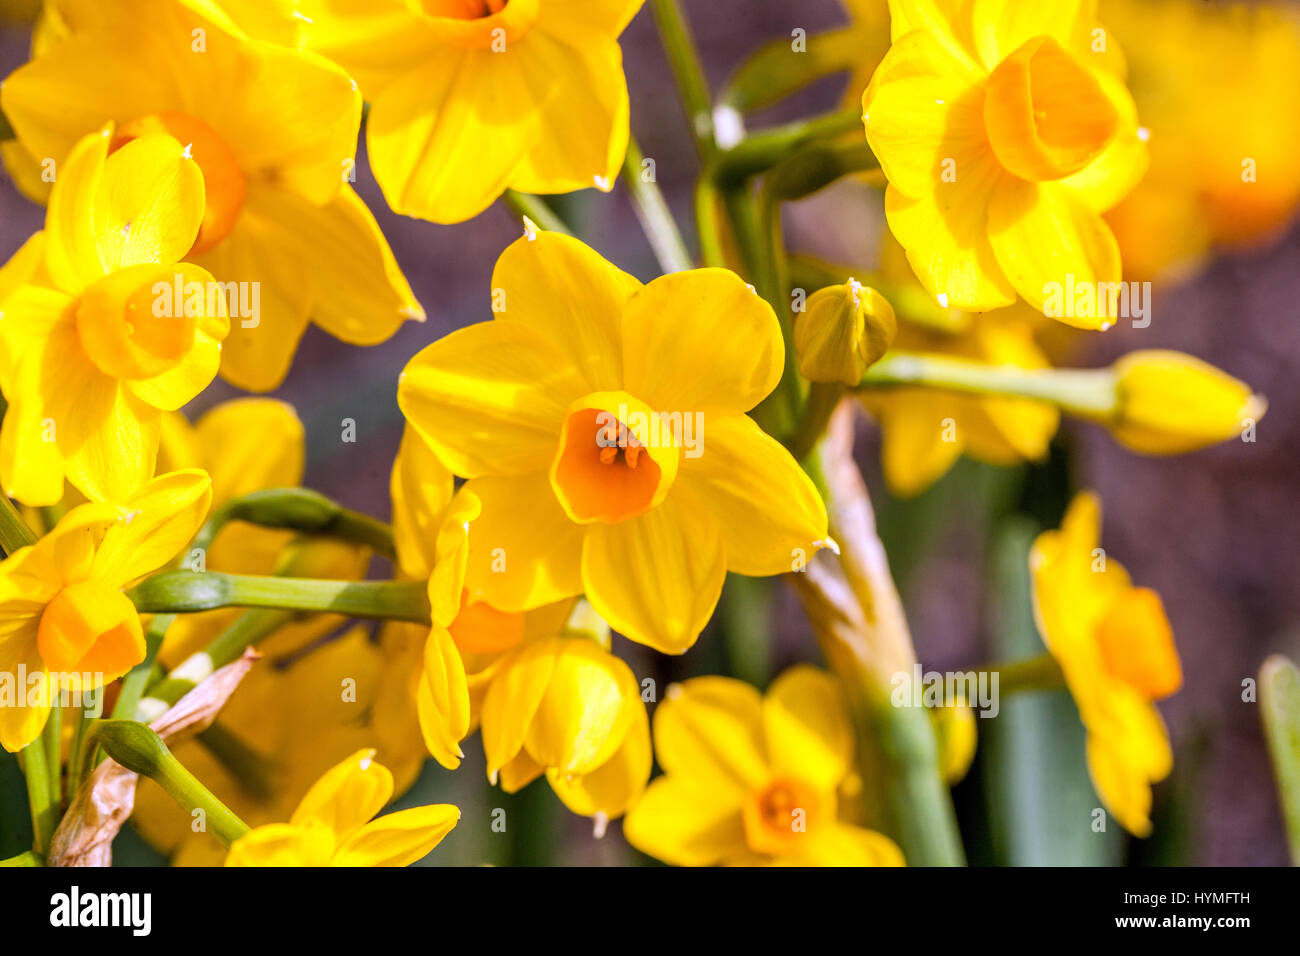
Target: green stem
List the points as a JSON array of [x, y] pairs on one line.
[[52, 736], [299, 509], [1279, 700], [653, 213], [709, 223], [24, 859], [526, 205], [762, 150], [816, 413], [45, 814], [179, 591], [684, 60], [1088, 393], [14, 532], [1033, 673], [138, 748], [144, 674]]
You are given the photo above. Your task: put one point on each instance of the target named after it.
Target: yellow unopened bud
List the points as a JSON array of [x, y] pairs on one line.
[[845, 329], [955, 728], [1169, 403]]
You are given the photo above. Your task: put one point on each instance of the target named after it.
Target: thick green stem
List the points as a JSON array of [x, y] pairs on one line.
[[1088, 393], [653, 213], [138, 748], [45, 814], [1033, 673], [535, 208], [1279, 701], [822, 399], [684, 60], [299, 509], [180, 591]]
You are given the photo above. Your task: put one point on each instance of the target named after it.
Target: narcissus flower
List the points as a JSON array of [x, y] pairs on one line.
[[1005, 130], [925, 430], [65, 623], [601, 424], [1169, 403], [751, 779], [336, 824], [1116, 649], [105, 329], [274, 131], [1223, 170], [549, 695], [471, 97]]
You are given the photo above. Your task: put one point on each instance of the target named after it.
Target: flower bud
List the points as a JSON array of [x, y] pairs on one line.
[[1168, 403], [845, 329]]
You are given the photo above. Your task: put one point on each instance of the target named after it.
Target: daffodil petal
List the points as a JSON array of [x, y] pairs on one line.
[[158, 522], [109, 439], [282, 844], [23, 722], [1046, 238], [148, 205], [346, 796], [914, 423], [398, 839], [1001, 26], [512, 699], [807, 728], [421, 489], [840, 844], [617, 783], [769, 510], [700, 341], [710, 730], [252, 444], [657, 577], [524, 550], [685, 823], [443, 705], [490, 398], [566, 290]]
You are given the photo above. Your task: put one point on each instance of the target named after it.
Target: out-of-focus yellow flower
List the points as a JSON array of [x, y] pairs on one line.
[[246, 445], [65, 623], [1223, 169], [1170, 403], [954, 726], [471, 97], [1005, 130], [842, 332], [103, 327], [601, 424], [274, 131], [336, 824], [549, 700], [292, 717], [1116, 649], [751, 779], [925, 430]]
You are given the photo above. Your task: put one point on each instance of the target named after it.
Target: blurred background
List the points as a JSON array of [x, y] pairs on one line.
[[1214, 532]]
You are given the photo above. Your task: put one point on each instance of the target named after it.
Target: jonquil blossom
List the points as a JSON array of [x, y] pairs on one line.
[[336, 824], [550, 697], [754, 779], [1005, 130], [65, 623], [471, 97], [602, 425], [274, 131], [103, 328], [1116, 649]]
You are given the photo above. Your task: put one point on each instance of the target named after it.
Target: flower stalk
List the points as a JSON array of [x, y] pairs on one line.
[[652, 212], [299, 509]]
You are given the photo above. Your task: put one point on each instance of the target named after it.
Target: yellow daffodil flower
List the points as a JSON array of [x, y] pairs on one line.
[[549, 700], [1170, 403], [753, 779], [471, 97], [1224, 171], [65, 623], [274, 131], [843, 330], [925, 430], [1116, 649], [292, 717], [105, 331], [601, 424], [1004, 130], [336, 824]]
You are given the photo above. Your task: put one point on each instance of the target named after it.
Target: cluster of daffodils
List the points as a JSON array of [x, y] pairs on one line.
[[583, 475]]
